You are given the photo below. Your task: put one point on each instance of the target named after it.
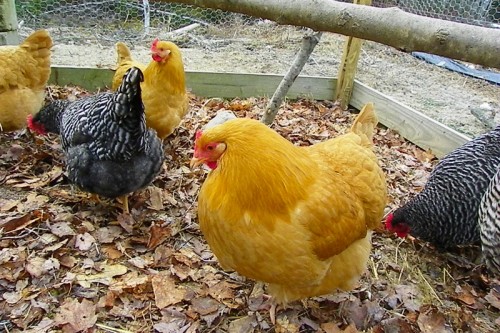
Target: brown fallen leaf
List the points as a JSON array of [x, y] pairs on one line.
[[330, 328], [155, 198], [75, 316], [166, 291], [126, 221], [158, 233], [84, 241], [105, 277], [396, 325], [431, 320], [204, 305], [246, 324], [465, 296], [493, 297], [18, 223]]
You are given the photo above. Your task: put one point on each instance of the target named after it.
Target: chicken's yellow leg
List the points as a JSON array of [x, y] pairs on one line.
[[124, 199]]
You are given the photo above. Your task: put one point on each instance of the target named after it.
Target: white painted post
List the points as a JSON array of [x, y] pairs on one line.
[[8, 23], [147, 16]]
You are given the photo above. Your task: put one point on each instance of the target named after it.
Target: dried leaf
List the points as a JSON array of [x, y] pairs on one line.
[[246, 324], [493, 297], [62, 229], [84, 241], [17, 223], [155, 198], [127, 222], [106, 235], [35, 266], [204, 305], [105, 277], [432, 320], [76, 316], [158, 233], [166, 291]]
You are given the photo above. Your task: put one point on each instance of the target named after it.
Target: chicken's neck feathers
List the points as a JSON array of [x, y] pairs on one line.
[[168, 76]]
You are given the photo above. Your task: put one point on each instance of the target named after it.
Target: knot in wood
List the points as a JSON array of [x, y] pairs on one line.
[[442, 36], [344, 17]]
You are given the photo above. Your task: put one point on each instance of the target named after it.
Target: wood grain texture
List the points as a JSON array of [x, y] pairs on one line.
[[411, 124]]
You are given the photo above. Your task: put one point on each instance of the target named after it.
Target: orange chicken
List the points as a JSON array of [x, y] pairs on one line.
[[24, 72], [164, 88], [297, 218]]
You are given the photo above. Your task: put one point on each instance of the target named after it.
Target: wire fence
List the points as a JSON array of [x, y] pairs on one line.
[[138, 20], [85, 31]]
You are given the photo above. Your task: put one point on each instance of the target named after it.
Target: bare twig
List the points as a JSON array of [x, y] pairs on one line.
[[308, 44], [112, 329]]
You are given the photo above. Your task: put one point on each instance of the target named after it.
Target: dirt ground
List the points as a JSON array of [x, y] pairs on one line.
[[439, 93]]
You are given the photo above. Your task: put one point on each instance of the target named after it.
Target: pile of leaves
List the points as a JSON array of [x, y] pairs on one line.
[[72, 263]]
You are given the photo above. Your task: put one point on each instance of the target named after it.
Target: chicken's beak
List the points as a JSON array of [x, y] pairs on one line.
[[195, 162]]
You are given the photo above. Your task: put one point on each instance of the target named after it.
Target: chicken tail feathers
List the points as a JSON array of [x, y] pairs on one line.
[[39, 40], [128, 96], [365, 123], [123, 53], [131, 84]]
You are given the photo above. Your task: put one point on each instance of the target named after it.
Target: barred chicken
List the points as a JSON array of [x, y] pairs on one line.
[[108, 149], [445, 213], [24, 72], [489, 224]]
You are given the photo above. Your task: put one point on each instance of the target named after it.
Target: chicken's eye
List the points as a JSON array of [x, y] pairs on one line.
[[210, 147]]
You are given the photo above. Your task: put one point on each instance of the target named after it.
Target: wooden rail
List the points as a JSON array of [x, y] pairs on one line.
[[411, 124]]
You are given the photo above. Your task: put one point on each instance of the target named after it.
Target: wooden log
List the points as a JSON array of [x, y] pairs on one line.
[[390, 26]]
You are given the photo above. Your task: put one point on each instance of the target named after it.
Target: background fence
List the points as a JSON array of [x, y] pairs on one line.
[[85, 32], [136, 20]]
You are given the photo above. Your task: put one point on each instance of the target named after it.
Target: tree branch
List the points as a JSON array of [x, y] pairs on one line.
[[391, 26], [308, 44]]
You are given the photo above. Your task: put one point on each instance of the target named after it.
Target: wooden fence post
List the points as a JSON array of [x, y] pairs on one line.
[[8, 23], [348, 65]]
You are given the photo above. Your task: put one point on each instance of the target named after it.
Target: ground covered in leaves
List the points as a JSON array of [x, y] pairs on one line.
[[69, 263]]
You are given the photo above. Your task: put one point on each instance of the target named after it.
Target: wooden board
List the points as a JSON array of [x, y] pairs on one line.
[[92, 79], [420, 129], [230, 85], [206, 84], [413, 125]]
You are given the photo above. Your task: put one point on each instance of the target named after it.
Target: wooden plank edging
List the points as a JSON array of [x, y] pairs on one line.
[[411, 124], [414, 126]]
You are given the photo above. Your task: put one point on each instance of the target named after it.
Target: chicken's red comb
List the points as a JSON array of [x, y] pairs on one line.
[[154, 43], [35, 127], [388, 222], [29, 121], [198, 134]]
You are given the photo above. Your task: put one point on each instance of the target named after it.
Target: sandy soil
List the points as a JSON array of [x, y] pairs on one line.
[[441, 94]]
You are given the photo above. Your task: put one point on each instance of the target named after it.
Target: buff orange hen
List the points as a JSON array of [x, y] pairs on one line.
[[297, 218]]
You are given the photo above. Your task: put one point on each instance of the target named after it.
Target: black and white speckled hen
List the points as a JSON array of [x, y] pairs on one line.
[[108, 149], [489, 224], [445, 213]]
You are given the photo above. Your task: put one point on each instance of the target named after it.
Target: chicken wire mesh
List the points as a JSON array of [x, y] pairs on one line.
[[135, 20], [119, 19]]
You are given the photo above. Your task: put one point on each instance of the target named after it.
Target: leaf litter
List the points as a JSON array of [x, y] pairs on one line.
[[72, 263]]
